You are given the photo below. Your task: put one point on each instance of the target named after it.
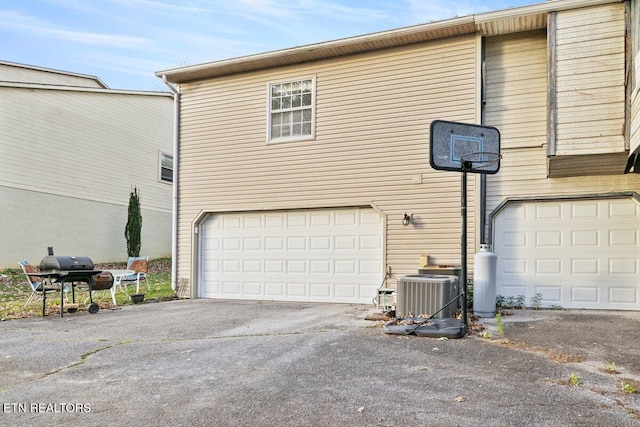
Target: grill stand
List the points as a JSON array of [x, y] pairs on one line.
[[70, 276], [93, 307]]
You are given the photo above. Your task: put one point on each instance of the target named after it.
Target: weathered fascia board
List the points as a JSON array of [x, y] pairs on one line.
[[587, 164], [575, 146]]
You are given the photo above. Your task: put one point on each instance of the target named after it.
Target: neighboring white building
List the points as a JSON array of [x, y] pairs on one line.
[[297, 166], [71, 150]]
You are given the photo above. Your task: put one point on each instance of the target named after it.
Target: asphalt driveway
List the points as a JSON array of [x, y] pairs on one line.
[[248, 363]]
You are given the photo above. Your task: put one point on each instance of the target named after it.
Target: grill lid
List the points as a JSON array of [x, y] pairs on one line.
[[65, 263]]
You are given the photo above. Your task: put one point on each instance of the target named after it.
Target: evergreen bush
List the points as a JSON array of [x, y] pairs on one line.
[[132, 231]]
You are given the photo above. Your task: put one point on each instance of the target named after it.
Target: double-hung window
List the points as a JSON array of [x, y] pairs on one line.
[[291, 110], [166, 167]]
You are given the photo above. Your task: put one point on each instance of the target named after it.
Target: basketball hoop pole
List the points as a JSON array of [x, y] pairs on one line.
[[464, 147], [466, 165]]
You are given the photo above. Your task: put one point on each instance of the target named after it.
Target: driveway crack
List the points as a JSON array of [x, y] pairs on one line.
[[80, 361]]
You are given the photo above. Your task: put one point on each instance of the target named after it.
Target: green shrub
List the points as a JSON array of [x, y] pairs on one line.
[[133, 229]]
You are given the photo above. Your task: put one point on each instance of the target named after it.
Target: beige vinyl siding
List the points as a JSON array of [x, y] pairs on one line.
[[635, 122], [19, 74], [373, 113], [591, 80], [523, 174], [634, 139], [87, 145], [516, 88], [516, 104], [523, 171]]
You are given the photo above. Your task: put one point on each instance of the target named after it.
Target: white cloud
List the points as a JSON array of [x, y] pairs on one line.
[[159, 6], [299, 17], [437, 10], [39, 27], [131, 39]]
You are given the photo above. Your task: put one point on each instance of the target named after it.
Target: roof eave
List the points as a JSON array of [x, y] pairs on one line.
[[54, 71], [506, 21], [66, 88], [341, 47]]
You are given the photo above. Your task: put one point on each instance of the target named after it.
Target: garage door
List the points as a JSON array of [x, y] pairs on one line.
[[311, 255], [575, 253]]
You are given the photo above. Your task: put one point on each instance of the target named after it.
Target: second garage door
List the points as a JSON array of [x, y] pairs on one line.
[[574, 253], [331, 255]]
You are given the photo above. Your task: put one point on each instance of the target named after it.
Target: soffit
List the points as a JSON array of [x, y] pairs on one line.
[[488, 24]]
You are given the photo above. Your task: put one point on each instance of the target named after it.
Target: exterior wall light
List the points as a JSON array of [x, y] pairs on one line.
[[406, 220]]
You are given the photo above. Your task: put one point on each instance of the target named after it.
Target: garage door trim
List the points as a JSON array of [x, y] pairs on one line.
[[197, 262], [619, 195], [574, 250]]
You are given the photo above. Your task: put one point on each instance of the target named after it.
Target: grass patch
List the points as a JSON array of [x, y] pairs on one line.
[[629, 386], [610, 368], [15, 290], [556, 356]]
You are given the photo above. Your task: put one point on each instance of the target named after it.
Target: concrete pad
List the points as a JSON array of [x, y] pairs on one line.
[[259, 363]]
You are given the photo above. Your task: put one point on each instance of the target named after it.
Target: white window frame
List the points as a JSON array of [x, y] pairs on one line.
[[271, 139], [161, 156]]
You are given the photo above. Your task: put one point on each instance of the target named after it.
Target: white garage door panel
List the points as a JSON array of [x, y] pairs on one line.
[[577, 254], [315, 255]]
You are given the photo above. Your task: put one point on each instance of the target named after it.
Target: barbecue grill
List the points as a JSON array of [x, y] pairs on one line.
[[71, 270], [65, 263]]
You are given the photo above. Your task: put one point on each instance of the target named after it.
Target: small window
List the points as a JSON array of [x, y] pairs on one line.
[[291, 110], [166, 167]]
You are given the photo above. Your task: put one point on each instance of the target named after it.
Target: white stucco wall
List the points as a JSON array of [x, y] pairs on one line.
[[32, 221]]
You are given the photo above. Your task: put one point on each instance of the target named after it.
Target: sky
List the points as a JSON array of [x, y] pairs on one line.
[[124, 42]]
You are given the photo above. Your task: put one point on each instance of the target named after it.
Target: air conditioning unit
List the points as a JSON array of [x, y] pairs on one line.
[[447, 270], [421, 294]]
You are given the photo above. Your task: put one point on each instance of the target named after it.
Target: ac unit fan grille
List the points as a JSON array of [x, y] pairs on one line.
[[425, 295]]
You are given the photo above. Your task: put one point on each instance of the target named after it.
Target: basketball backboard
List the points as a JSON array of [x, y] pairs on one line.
[[452, 143]]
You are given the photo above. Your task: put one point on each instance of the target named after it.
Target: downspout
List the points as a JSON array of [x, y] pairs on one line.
[[175, 89], [483, 177], [628, 77], [552, 113]]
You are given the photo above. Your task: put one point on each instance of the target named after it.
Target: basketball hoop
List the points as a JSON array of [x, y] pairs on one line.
[[480, 161], [452, 143], [466, 148]]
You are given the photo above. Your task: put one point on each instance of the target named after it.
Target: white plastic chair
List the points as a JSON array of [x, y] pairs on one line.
[[39, 285], [140, 267]]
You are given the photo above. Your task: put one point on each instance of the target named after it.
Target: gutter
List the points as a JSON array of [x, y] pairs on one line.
[[543, 7], [40, 86], [53, 71], [175, 89], [488, 24]]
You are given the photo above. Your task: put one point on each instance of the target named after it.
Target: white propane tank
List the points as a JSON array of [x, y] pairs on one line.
[[484, 282]]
